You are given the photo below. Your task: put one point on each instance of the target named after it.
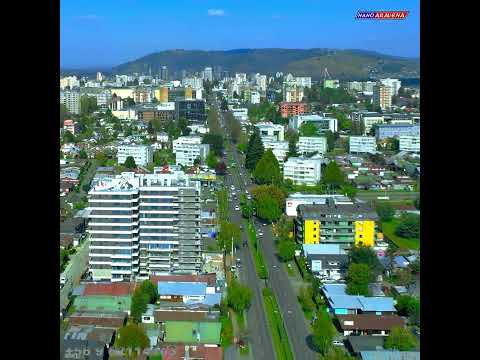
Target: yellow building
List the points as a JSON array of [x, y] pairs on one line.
[[161, 94], [188, 93], [337, 220]]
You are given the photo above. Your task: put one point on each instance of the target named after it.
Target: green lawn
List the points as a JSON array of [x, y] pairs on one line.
[[403, 243], [275, 322]]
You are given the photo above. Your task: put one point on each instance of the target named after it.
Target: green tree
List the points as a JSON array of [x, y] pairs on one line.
[[348, 190], [150, 290], [239, 297], [308, 129], [68, 137], [101, 158], [333, 175], [88, 104], [132, 337], [215, 141], [330, 140], [130, 163], [83, 154], [358, 277], [267, 208], [286, 250], [197, 161], [366, 255], [267, 170], [64, 114], [385, 211], [211, 160], [138, 305], [292, 148], [416, 202], [415, 266], [228, 232], [400, 339], [254, 151], [247, 210], [409, 226], [323, 332]]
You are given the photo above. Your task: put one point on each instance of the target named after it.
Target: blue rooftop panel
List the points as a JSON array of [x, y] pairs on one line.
[[322, 249], [390, 355], [182, 288]]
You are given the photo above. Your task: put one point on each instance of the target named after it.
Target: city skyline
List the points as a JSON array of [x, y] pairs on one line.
[[93, 28]]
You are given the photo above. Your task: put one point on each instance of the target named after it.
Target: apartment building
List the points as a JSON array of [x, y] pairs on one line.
[[255, 97], [410, 143], [337, 220], [304, 81], [362, 144], [143, 225], [382, 96], [311, 144], [303, 171], [141, 96], [394, 84], [292, 109], [72, 126], [188, 148], [142, 154], [268, 128], [296, 199], [164, 111], [71, 99], [292, 93], [192, 110], [322, 123], [279, 149], [383, 131], [194, 82], [332, 84], [69, 81]]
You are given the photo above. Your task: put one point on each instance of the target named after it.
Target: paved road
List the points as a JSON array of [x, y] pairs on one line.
[[393, 195], [293, 317], [258, 332], [77, 265]]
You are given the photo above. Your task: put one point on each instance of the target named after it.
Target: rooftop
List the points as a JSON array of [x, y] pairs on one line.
[[192, 332], [364, 343], [370, 322], [182, 288], [111, 289], [323, 249], [390, 355], [332, 207], [339, 299]]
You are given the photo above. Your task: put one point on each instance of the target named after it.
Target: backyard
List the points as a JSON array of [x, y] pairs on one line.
[[389, 227]]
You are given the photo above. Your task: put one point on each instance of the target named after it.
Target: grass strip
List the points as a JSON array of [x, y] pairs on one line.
[[275, 322], [388, 229], [260, 266]]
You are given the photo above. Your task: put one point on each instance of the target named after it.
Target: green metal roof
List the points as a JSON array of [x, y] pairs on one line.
[[103, 303], [186, 332]]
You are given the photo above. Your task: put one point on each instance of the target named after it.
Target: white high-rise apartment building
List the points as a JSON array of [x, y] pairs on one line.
[[362, 144], [270, 129], [70, 81], [304, 81], [261, 81], [279, 149], [354, 86], [394, 84], [142, 154], [208, 74], [240, 78], [410, 143], [145, 224], [310, 144], [71, 99], [189, 148], [255, 97], [194, 82], [100, 76], [322, 123], [302, 171]]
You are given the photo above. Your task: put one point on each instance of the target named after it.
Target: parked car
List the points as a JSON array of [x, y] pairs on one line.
[[337, 343]]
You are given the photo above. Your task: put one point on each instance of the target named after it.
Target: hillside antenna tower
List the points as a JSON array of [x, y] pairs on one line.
[[326, 75]]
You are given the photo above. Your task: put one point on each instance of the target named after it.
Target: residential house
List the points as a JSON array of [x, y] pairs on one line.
[[389, 355], [368, 324], [188, 292], [356, 344], [113, 320], [102, 303], [340, 303], [197, 352], [326, 261]]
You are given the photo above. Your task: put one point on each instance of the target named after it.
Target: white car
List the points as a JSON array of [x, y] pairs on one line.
[[337, 343], [237, 208]]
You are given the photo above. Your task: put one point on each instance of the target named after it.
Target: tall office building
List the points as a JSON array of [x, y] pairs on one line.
[[144, 224], [164, 72], [395, 84], [208, 74], [382, 96]]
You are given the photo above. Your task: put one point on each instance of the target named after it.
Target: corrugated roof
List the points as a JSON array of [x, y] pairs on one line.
[[182, 288], [210, 279], [339, 299], [323, 249], [102, 303], [111, 289]]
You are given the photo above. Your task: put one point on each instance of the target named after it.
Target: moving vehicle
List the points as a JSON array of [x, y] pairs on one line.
[[337, 343], [237, 208]]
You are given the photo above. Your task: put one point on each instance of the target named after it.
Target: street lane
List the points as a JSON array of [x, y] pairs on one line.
[[297, 329]]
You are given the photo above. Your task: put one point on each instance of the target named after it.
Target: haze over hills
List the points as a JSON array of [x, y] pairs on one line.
[[341, 64]]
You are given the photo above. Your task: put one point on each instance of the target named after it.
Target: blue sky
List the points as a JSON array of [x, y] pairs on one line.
[[106, 32]]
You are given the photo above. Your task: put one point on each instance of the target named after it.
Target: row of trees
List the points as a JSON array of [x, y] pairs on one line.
[[265, 111]]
